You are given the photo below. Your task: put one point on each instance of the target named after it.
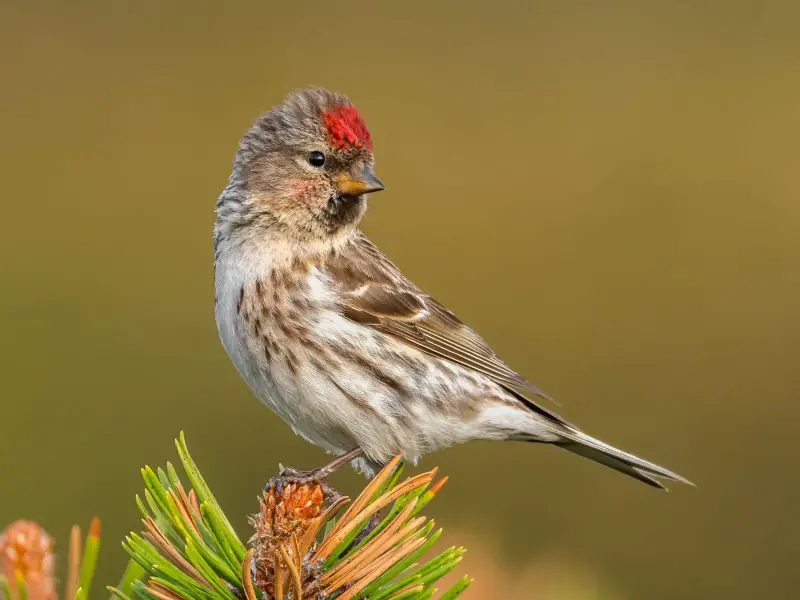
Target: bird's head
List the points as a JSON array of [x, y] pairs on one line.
[[303, 169]]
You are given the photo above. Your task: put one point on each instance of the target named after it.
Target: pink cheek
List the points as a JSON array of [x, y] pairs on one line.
[[306, 191]]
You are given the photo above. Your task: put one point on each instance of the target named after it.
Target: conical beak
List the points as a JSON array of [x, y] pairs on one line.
[[360, 180]]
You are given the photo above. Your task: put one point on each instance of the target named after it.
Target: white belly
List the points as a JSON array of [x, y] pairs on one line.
[[348, 385], [272, 384]]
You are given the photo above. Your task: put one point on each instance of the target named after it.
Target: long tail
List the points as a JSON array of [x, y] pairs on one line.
[[584, 445]]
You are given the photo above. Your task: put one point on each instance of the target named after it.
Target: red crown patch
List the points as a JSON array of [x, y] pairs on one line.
[[346, 128]]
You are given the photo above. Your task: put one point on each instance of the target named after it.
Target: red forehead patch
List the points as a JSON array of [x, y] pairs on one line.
[[346, 128]]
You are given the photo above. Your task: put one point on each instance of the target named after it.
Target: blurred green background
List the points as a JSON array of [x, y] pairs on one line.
[[608, 192]]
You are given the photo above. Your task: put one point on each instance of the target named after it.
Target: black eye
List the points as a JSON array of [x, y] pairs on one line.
[[316, 158]]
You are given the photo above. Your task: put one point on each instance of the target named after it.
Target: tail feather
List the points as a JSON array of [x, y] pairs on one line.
[[584, 445]]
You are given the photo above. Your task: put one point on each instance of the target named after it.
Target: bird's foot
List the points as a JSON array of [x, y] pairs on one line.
[[296, 478], [291, 476]]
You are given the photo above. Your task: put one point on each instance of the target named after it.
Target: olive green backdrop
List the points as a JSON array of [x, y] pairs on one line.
[[608, 192]]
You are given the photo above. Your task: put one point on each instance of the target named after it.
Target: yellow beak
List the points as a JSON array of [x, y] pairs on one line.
[[361, 181]]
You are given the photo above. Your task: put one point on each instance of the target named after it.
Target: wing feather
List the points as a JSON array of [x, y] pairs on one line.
[[374, 293]]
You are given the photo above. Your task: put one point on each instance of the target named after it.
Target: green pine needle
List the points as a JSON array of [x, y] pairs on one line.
[[190, 551], [22, 587], [5, 588], [133, 572], [91, 549]]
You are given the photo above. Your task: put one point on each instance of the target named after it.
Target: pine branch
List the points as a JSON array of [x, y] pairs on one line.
[[300, 549]]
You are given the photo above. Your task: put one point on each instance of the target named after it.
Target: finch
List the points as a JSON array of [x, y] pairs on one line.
[[331, 335]]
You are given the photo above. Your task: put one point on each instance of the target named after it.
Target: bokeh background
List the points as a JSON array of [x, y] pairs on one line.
[[608, 192]]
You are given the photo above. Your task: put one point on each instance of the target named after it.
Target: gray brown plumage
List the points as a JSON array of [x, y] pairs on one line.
[[330, 334]]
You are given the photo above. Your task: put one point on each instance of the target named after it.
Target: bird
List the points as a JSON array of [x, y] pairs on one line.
[[332, 336]]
